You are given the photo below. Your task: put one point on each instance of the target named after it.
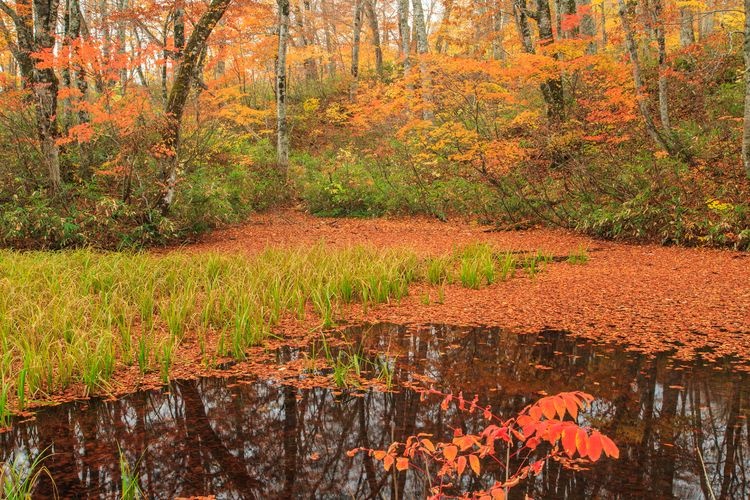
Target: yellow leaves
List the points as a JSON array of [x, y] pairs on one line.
[[450, 452], [337, 114], [428, 445], [474, 464], [402, 463], [311, 105]]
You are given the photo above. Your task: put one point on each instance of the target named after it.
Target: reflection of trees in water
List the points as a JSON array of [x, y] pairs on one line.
[[258, 440]]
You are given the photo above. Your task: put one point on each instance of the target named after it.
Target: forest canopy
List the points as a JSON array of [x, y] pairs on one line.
[[135, 122]]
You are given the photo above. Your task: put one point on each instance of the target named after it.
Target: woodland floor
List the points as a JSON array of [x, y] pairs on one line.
[[647, 296]]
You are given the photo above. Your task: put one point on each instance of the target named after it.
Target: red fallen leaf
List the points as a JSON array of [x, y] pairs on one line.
[[450, 452]]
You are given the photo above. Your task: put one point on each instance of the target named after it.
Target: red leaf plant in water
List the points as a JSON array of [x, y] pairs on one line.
[[548, 425]]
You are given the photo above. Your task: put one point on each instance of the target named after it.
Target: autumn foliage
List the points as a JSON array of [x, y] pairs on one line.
[[545, 430]]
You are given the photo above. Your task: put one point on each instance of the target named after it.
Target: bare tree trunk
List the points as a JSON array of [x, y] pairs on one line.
[[403, 29], [419, 27], [522, 25], [35, 24], [706, 25], [329, 33], [498, 25], [687, 30], [282, 132], [184, 77], [604, 25], [121, 40], [552, 88], [588, 26], [356, 36], [422, 49], [662, 83], [640, 94], [441, 45], [372, 15], [746, 129]]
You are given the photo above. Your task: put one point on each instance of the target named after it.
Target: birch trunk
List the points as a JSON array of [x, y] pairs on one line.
[[746, 129], [356, 37], [640, 94], [422, 49], [687, 30], [282, 132], [372, 16], [183, 81], [403, 29]]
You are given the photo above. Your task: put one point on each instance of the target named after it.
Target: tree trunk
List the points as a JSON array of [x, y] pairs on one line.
[[372, 16], [282, 132], [403, 29], [356, 36], [522, 25], [498, 24], [419, 27], [746, 130], [625, 14], [35, 26], [422, 49], [441, 45], [661, 43], [706, 24], [588, 26], [178, 95], [687, 30], [552, 89]]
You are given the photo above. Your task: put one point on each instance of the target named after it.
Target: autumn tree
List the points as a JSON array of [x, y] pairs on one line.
[[35, 22], [186, 73]]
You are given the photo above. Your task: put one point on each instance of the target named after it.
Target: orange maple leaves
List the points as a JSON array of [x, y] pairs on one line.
[[552, 421]]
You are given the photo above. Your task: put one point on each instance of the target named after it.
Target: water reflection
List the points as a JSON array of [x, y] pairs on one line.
[[250, 439]]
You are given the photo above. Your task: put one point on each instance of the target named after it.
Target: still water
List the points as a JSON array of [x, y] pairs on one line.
[[682, 429]]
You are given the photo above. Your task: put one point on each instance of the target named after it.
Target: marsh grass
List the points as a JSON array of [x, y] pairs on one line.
[[75, 317], [131, 489], [579, 256], [18, 478]]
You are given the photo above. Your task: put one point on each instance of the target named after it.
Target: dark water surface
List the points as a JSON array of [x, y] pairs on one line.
[[255, 439]]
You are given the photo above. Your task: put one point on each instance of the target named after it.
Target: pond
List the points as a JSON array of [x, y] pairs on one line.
[[682, 428]]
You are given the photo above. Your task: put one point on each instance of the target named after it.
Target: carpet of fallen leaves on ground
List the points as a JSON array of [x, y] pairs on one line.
[[642, 297], [647, 297]]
